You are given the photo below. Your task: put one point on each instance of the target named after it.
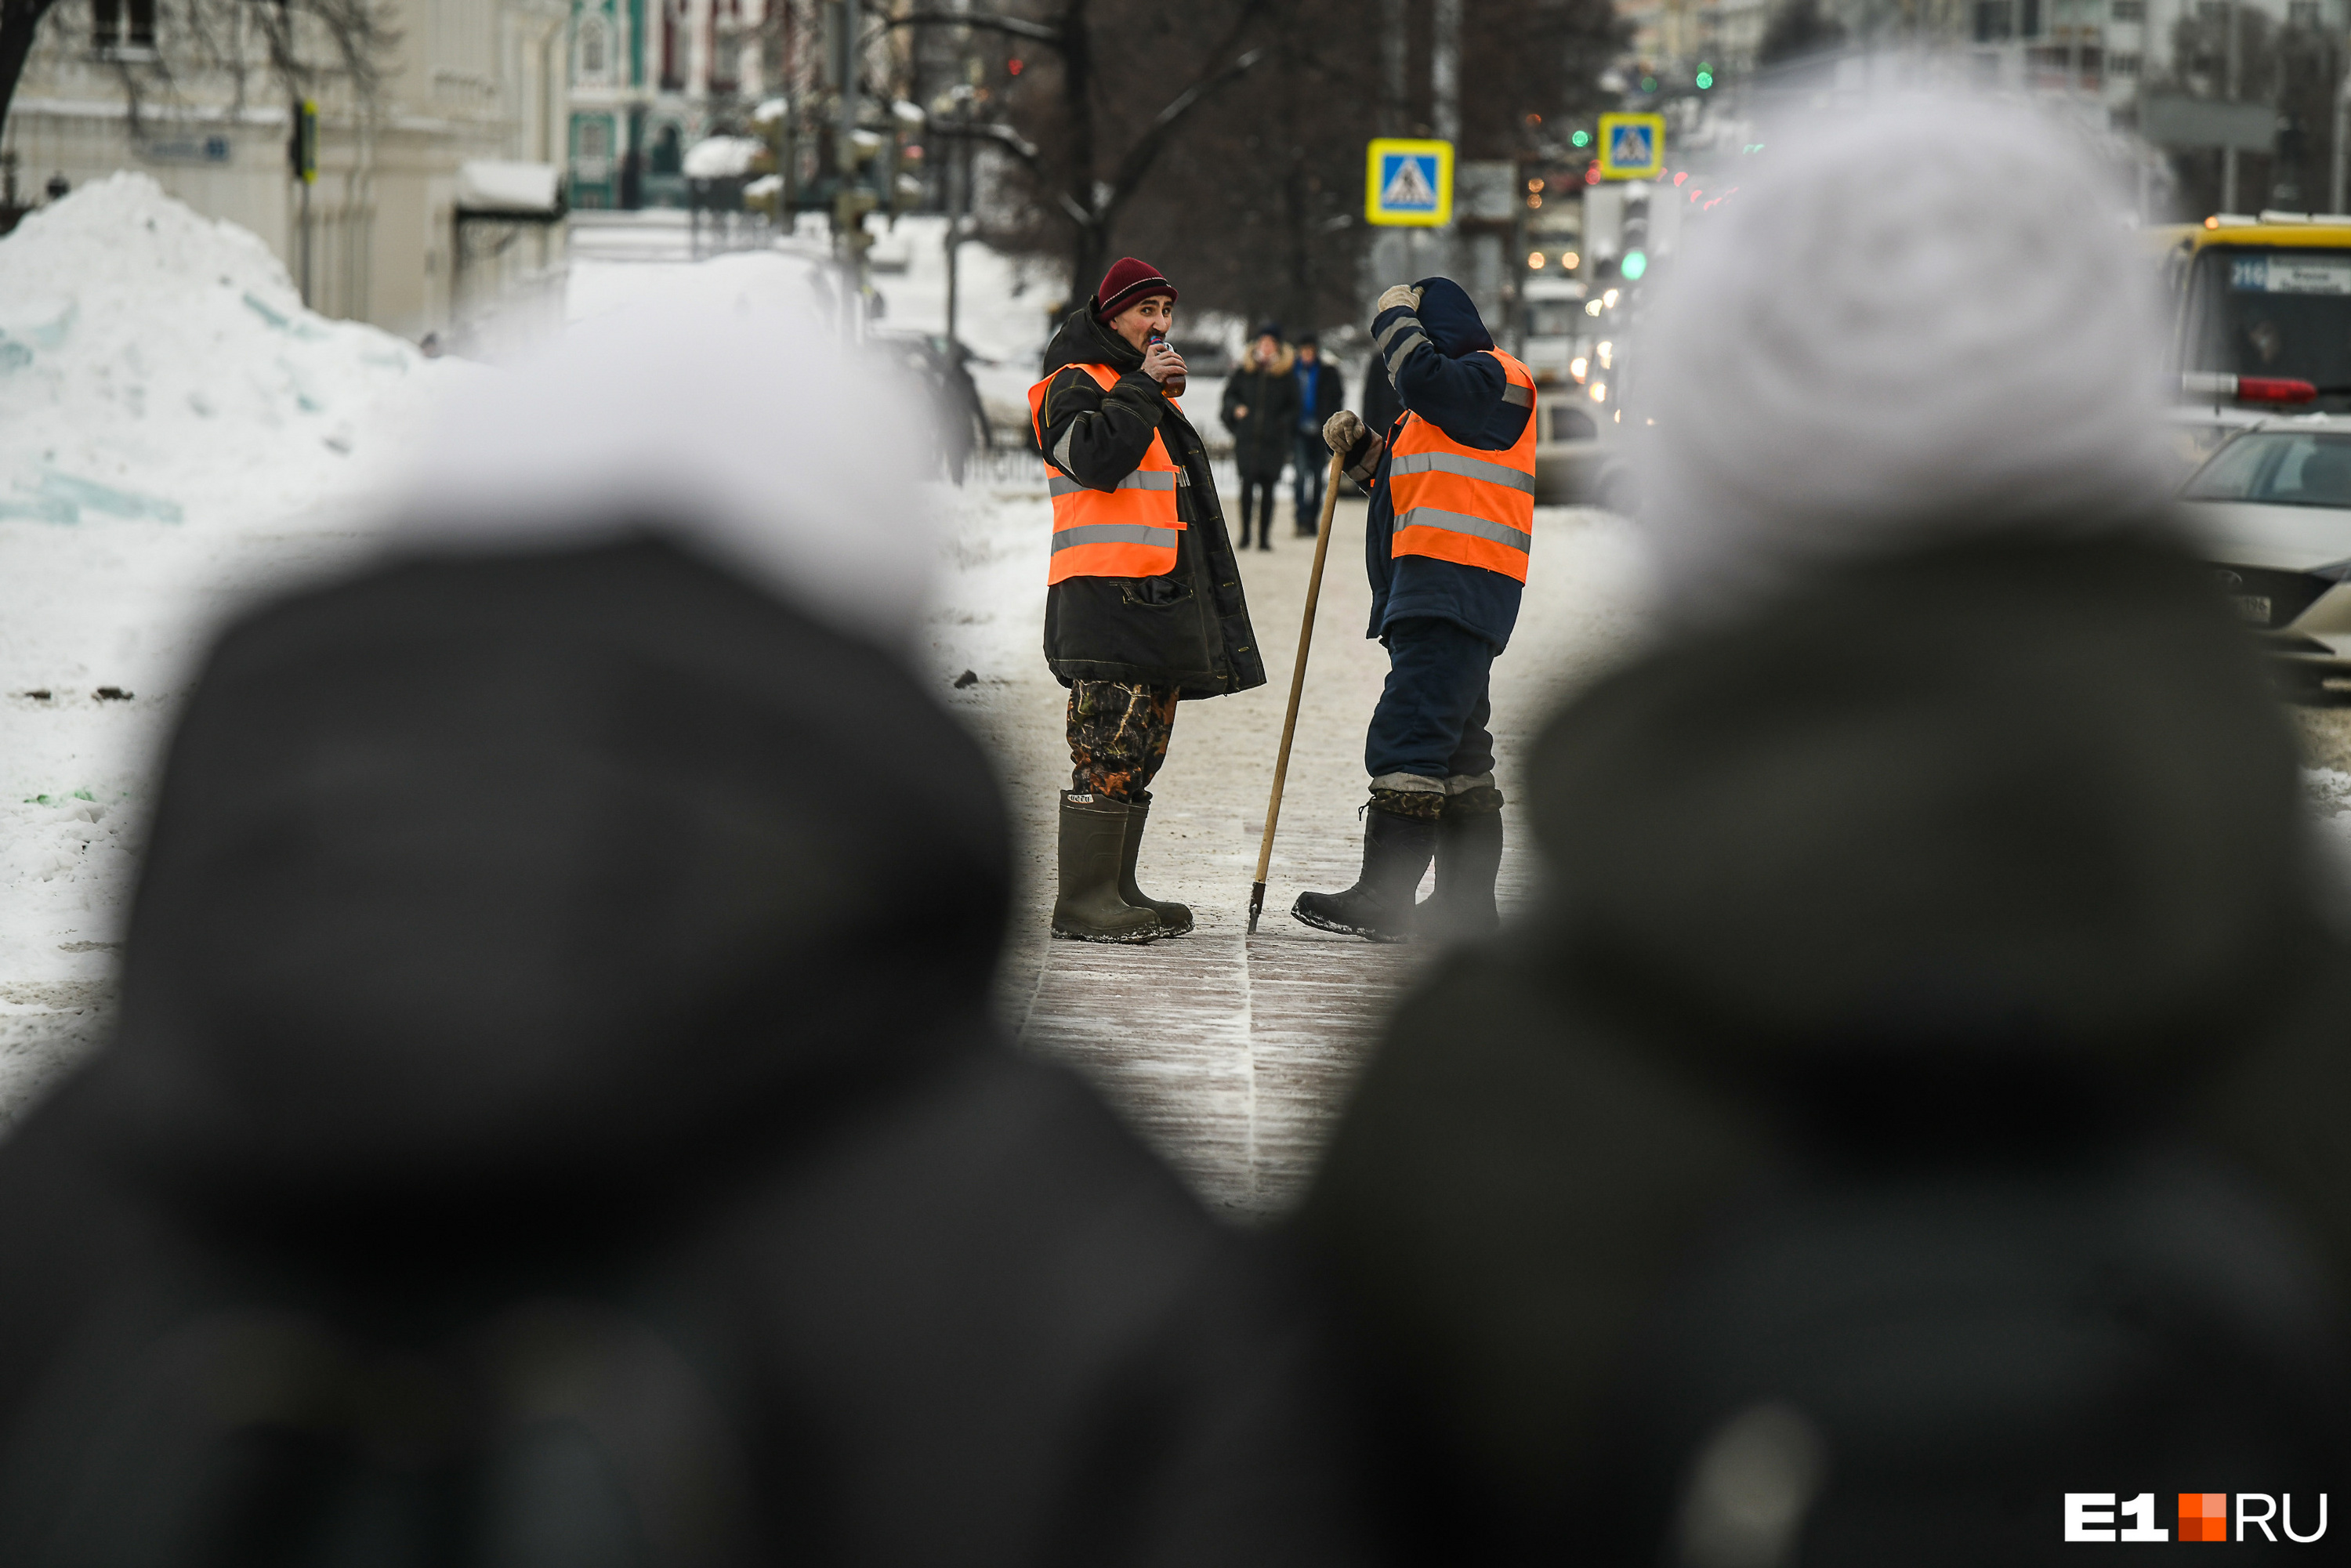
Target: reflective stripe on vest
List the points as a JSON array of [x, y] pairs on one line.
[[1128, 530], [1465, 504]]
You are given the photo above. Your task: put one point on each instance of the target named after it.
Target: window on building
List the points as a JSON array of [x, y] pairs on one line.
[[121, 24], [673, 47], [2028, 18], [2122, 65], [595, 49], [596, 138], [1995, 20], [2130, 10]]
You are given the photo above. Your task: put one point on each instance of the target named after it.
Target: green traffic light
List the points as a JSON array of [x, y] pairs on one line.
[[1635, 263], [1648, 84], [1581, 138], [1705, 81]]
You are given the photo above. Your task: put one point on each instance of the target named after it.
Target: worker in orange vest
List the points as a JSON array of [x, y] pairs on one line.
[[1144, 608], [1452, 483]]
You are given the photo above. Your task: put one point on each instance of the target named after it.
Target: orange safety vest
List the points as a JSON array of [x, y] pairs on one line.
[[1128, 531], [1463, 504]]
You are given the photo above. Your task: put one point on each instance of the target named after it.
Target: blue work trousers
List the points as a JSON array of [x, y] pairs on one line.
[[1313, 468], [1431, 721]]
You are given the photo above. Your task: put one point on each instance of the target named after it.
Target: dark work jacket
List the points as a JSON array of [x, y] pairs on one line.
[[1441, 374], [1262, 439], [1977, 839], [1188, 630], [639, 1062]]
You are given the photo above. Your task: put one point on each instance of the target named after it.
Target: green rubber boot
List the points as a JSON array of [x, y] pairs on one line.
[[1093, 846], [1175, 919]]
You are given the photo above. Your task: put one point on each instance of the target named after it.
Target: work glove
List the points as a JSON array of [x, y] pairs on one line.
[[1342, 430], [1346, 435], [1402, 296]]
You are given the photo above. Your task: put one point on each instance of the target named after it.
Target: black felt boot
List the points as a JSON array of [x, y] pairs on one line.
[[1379, 907], [1093, 846], [1468, 858], [1175, 919]]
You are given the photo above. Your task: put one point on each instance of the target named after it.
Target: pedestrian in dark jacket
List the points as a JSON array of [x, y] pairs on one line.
[[1145, 608], [1938, 875], [558, 1114], [1260, 407], [1321, 395], [1446, 544]]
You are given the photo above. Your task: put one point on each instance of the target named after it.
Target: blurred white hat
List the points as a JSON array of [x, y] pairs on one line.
[[741, 429], [1917, 324]]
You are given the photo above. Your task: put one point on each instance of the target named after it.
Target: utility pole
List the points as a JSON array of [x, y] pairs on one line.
[[1392, 67], [850, 202], [958, 203], [2229, 153], [1445, 95], [2336, 192]]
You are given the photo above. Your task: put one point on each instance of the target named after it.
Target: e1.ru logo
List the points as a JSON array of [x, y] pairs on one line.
[[2204, 1516]]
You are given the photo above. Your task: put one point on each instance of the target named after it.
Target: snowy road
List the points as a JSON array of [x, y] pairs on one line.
[[256, 437], [1230, 1052]]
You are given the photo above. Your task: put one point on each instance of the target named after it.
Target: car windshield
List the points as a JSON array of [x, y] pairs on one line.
[[2281, 468], [2284, 312]]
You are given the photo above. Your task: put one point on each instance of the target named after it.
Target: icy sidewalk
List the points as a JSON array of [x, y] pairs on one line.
[[1231, 1053]]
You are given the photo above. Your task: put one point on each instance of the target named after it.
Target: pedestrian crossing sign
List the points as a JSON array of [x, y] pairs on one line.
[[1632, 146], [1408, 182]]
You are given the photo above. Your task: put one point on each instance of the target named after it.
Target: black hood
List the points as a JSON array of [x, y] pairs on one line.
[[1083, 341], [548, 869], [1450, 319], [2014, 797]]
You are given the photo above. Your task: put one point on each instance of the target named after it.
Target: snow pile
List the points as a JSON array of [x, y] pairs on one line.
[[722, 157], [156, 365], [177, 436], [502, 185]]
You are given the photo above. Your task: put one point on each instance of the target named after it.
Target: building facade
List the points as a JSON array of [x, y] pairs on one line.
[[195, 101], [651, 77]]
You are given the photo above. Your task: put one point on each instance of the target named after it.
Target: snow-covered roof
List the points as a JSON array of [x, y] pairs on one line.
[[500, 185], [722, 157]]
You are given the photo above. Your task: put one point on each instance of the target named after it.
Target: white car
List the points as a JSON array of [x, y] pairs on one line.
[[2272, 507]]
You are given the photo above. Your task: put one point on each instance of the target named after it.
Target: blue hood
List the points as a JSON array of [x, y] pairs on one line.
[[1450, 320]]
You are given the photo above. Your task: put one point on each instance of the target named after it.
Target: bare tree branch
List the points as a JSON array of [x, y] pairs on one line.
[[1018, 26], [1136, 165], [1004, 136], [19, 21]]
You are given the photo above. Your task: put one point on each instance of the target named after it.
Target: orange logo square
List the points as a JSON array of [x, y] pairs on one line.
[[2204, 1516]]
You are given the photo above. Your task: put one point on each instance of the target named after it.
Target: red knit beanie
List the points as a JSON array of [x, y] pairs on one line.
[[1127, 282]]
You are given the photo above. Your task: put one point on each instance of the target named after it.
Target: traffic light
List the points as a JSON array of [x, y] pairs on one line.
[[904, 176], [302, 147]]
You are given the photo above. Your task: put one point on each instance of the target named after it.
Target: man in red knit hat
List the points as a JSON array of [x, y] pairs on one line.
[[1144, 608]]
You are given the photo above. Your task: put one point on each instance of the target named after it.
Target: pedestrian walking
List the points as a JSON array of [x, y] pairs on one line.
[[1451, 520], [1321, 395], [1939, 972], [1145, 607], [557, 1112], [1260, 405]]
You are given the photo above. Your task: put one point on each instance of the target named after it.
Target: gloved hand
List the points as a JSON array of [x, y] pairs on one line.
[[1404, 295], [1342, 431]]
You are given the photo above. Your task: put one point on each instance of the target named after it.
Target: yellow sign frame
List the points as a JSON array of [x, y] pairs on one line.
[[1607, 139], [1374, 182]]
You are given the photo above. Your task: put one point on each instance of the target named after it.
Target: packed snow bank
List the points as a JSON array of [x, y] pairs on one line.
[[177, 435], [156, 365]]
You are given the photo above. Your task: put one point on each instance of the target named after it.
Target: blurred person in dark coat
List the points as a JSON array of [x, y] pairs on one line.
[[557, 1113], [1321, 395], [1260, 407], [1934, 885]]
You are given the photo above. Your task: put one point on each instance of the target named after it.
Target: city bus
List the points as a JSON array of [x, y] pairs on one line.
[[2260, 321]]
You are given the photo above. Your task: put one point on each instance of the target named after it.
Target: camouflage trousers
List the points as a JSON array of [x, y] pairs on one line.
[[1118, 738]]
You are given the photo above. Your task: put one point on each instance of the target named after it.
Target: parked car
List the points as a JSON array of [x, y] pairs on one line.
[[2273, 508]]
